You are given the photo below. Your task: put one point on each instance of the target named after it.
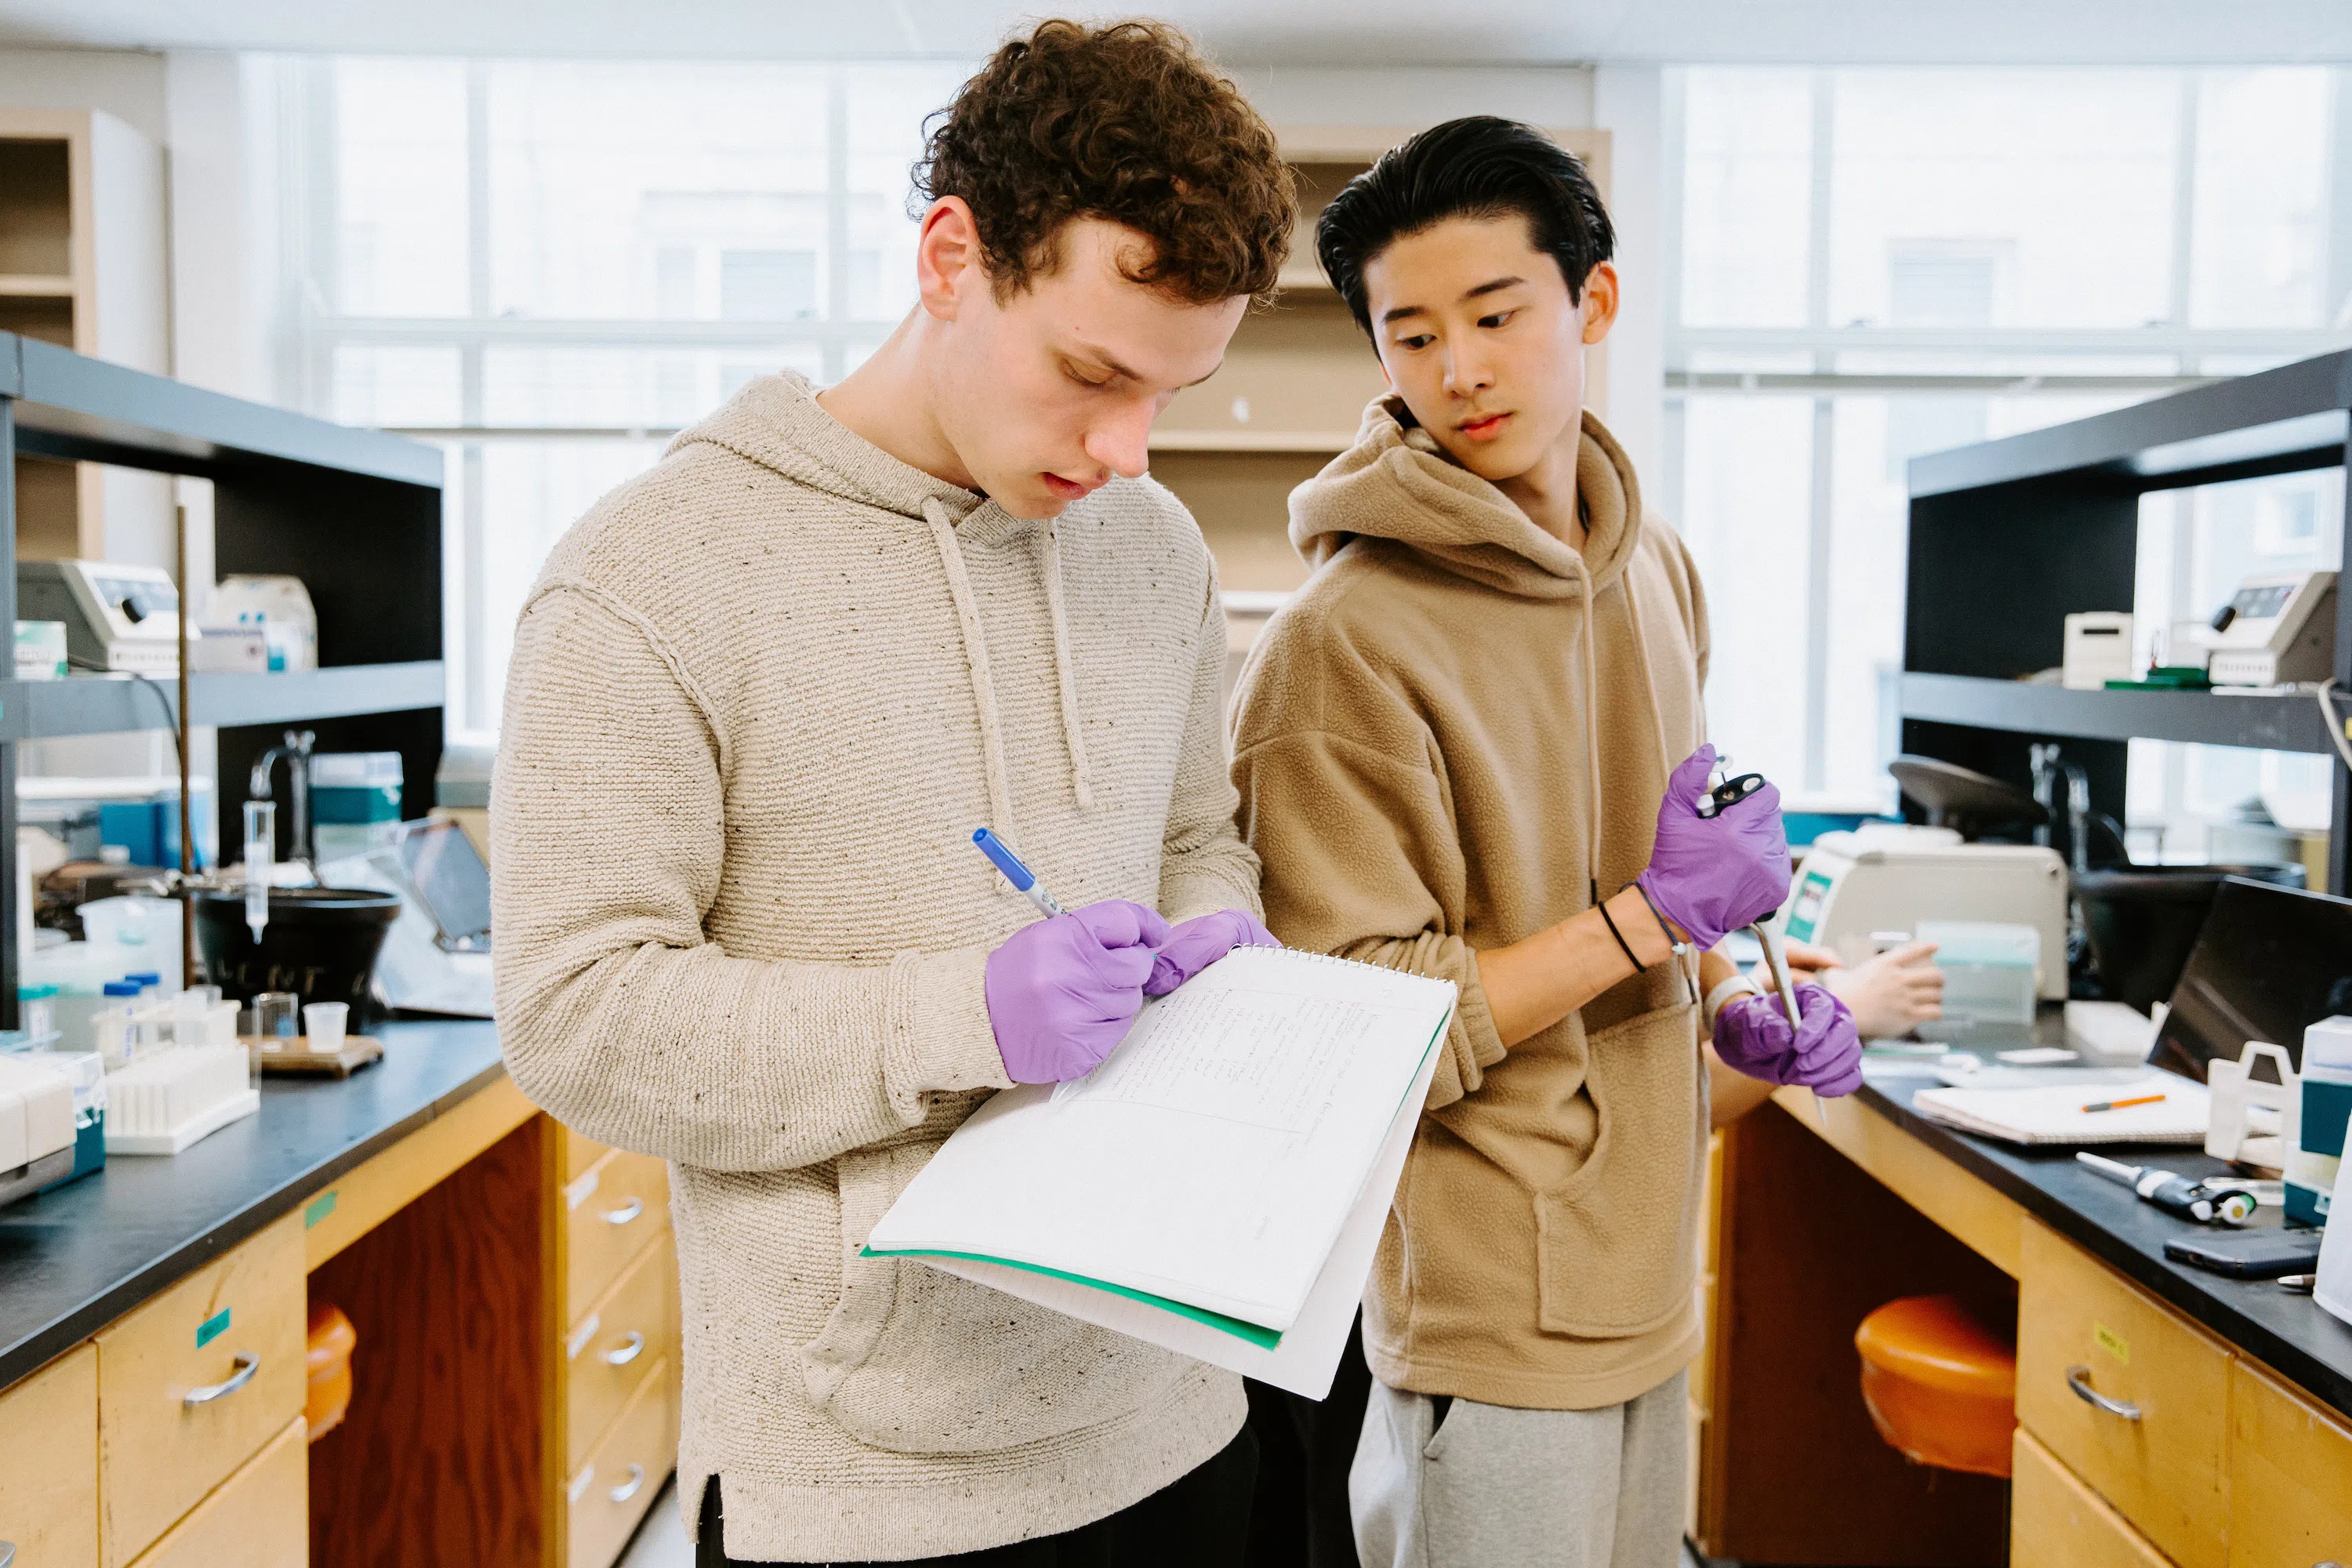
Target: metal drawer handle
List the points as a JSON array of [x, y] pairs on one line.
[[626, 1213], [2078, 1378], [247, 1363], [582, 1336], [631, 1486], [578, 1488], [628, 1350]]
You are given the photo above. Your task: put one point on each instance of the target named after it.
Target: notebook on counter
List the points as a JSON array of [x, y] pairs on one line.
[[2055, 1113], [1218, 1184]]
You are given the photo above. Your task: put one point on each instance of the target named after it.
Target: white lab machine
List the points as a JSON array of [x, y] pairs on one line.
[[2277, 629], [1888, 877], [274, 606], [37, 1126], [116, 617], [2097, 649]]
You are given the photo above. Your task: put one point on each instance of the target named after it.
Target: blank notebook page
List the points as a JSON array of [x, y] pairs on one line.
[[1212, 1158]]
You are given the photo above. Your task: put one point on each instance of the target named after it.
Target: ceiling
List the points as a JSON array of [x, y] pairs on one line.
[[1275, 32]]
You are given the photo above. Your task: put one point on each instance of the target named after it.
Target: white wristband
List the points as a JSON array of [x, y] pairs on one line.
[[1725, 990]]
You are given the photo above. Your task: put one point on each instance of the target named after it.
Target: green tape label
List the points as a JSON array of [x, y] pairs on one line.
[[320, 1207], [212, 1328]]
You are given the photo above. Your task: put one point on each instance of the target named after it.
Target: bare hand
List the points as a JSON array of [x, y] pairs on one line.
[[1892, 993], [1806, 956]]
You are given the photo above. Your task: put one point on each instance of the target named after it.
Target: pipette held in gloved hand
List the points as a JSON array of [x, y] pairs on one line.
[[2174, 1193], [1717, 864], [1823, 1053]]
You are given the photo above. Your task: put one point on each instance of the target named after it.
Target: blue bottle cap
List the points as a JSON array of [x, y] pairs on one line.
[[122, 988], [145, 977]]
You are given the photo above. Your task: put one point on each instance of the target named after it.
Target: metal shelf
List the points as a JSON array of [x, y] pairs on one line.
[[101, 704], [2273, 722], [68, 405]]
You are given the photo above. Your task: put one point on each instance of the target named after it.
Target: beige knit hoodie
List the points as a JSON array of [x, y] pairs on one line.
[[1455, 726], [759, 698]]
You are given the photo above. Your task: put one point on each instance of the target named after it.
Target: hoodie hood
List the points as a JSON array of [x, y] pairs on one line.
[[1395, 483], [776, 422]]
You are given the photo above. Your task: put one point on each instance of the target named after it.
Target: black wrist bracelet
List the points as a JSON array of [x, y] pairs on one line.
[[1639, 967], [1663, 928]]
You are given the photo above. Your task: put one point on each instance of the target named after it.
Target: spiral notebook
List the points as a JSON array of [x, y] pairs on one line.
[[1218, 1184]]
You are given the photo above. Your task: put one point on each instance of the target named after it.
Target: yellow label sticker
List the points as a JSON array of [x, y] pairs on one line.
[[2112, 1343]]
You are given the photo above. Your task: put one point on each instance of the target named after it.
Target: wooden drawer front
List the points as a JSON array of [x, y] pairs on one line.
[[611, 1492], [629, 1331], [2163, 1471], [158, 1455], [48, 1464], [2056, 1521], [2290, 1476], [615, 1207], [579, 1151], [260, 1517]]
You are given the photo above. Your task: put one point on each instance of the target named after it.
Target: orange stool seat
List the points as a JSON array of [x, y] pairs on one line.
[[329, 1395], [1940, 1384]]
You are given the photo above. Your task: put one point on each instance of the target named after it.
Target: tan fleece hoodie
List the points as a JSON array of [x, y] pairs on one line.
[[1440, 742]]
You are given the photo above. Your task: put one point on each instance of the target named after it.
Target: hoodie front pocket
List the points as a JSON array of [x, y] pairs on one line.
[[1615, 1251], [919, 1362]]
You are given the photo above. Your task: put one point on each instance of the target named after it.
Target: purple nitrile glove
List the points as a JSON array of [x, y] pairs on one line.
[[1711, 875], [1062, 991], [1199, 942], [1753, 1036]]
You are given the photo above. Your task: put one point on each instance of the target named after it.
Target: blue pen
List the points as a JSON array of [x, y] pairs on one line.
[[1020, 876]]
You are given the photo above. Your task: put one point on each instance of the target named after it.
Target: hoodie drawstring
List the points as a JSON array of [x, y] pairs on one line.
[[1065, 672], [975, 657], [1591, 735], [984, 684]]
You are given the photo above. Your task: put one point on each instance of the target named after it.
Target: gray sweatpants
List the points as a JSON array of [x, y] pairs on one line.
[[1501, 1488]]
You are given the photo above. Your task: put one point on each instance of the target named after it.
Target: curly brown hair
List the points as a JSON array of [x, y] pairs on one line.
[[1125, 122]]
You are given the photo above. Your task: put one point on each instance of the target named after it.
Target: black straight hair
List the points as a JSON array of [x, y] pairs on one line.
[[1479, 167]]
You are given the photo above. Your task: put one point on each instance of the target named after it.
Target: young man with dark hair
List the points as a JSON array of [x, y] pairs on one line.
[[762, 696], [1471, 747]]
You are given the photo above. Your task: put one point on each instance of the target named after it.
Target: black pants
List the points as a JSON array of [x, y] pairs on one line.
[[1199, 1521], [1300, 1519]]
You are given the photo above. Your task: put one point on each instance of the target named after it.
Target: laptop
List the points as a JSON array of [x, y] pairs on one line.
[[2268, 963]]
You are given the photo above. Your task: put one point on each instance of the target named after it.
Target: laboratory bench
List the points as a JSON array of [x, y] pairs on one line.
[[1821, 1211], [513, 1287]]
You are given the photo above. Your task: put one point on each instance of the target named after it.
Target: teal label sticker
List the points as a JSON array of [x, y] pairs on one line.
[[212, 1328], [320, 1207]]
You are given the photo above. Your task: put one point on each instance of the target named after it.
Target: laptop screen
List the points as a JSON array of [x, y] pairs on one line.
[[450, 876], [2270, 961]]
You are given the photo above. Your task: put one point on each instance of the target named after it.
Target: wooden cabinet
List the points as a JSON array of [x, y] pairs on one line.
[[82, 265], [48, 1464], [631, 1329], [2056, 1521], [259, 1516], [195, 1381], [611, 1491], [613, 1208], [2127, 1393], [2290, 1476]]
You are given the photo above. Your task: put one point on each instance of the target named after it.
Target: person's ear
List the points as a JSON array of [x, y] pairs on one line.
[[1600, 303], [948, 265]]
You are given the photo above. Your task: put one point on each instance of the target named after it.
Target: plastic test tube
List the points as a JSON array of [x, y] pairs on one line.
[[260, 855]]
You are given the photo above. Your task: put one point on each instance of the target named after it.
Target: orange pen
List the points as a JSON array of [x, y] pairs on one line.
[[2119, 1104]]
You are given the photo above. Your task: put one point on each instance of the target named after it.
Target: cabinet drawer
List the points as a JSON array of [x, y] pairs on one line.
[[2156, 1453], [2056, 1521], [607, 1495], [230, 1337], [260, 1517], [631, 1327], [579, 1151], [2290, 1476], [615, 1207], [48, 1464]]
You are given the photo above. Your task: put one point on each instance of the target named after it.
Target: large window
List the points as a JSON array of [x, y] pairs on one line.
[[1870, 263], [549, 267]]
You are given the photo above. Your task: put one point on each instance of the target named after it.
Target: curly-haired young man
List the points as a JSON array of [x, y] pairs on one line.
[[759, 698]]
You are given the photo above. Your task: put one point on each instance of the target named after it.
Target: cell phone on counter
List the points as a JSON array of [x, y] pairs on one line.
[[2263, 1254]]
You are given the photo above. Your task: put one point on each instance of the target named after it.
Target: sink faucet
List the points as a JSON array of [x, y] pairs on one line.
[[297, 752], [2044, 760], [2078, 816]]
